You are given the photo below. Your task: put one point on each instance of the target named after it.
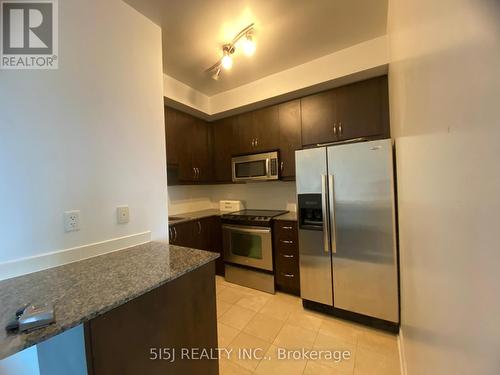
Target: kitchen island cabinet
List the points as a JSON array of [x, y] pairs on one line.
[[150, 296]]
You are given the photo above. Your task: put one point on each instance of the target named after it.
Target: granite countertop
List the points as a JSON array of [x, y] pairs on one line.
[[195, 215], [292, 216], [85, 289]]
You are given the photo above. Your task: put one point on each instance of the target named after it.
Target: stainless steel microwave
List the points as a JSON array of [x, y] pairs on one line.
[[256, 167]]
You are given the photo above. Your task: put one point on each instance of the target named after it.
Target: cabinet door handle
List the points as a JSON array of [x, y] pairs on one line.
[[288, 256], [334, 129], [340, 128], [198, 172], [170, 234], [287, 274], [175, 233], [286, 241], [281, 167], [253, 142], [287, 227], [256, 141], [199, 227], [194, 172]]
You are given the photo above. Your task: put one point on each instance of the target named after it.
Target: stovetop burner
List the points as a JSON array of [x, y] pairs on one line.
[[252, 217]]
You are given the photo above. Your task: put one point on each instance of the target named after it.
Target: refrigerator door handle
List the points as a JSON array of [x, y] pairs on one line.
[[331, 199], [324, 210]]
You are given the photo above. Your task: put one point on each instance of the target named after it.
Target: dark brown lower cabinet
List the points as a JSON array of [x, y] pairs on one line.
[[203, 234], [286, 256], [182, 234], [131, 338], [216, 243]]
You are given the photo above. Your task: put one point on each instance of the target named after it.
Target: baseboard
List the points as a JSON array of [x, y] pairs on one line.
[[51, 259], [402, 358]]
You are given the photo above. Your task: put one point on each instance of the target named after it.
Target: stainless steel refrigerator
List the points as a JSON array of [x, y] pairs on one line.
[[347, 235]]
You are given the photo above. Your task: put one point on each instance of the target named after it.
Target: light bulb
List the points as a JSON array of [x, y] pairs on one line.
[[248, 46], [227, 62]]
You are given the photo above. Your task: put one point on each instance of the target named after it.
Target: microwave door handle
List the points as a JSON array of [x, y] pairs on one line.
[[324, 209]]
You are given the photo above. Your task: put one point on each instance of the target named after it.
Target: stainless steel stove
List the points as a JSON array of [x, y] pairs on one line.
[[248, 248], [252, 217]]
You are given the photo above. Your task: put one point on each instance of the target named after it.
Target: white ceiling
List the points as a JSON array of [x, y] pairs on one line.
[[288, 33]]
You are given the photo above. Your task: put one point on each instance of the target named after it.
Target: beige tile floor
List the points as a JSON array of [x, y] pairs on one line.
[[250, 319]]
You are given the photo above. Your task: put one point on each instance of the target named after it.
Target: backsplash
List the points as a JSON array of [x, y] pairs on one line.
[[277, 195]]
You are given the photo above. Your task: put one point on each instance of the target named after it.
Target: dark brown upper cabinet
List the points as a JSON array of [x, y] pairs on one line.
[[178, 160], [318, 118], [173, 150], [244, 133], [223, 141], [188, 148], [362, 109], [290, 137], [348, 112], [257, 131], [266, 128], [200, 152]]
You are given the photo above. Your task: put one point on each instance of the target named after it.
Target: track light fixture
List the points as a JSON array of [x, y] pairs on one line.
[[216, 74], [226, 61]]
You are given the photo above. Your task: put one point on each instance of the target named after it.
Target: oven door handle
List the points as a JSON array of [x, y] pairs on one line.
[[247, 230]]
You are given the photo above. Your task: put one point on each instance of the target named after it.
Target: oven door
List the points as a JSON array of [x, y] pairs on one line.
[[248, 246]]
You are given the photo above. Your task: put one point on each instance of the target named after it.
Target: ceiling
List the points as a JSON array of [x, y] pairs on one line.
[[288, 33]]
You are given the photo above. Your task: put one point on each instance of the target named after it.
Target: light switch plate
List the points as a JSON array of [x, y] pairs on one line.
[[122, 215], [71, 221]]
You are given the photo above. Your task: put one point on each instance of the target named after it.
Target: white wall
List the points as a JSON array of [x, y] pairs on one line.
[[181, 93], [182, 199], [266, 195], [444, 94], [89, 136]]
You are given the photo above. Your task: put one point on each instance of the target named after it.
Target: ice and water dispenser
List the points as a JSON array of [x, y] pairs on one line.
[[310, 211]]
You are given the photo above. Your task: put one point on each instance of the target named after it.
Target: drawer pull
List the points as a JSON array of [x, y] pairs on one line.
[[287, 274], [288, 256], [286, 241], [287, 227]]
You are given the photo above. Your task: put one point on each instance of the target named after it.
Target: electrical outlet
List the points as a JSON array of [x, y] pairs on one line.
[[71, 221], [122, 215]]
